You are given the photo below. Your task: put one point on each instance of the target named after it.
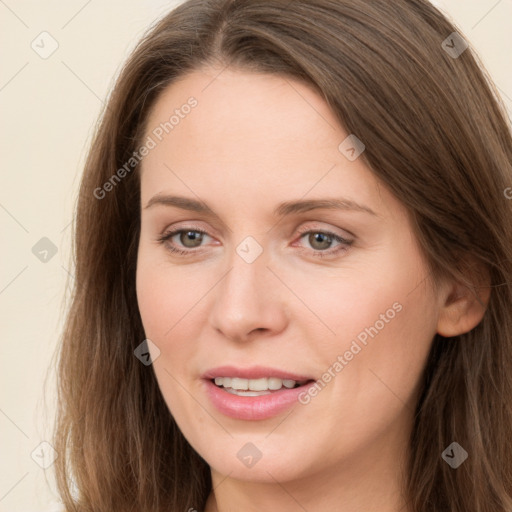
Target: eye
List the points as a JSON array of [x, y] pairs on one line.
[[322, 240], [191, 239]]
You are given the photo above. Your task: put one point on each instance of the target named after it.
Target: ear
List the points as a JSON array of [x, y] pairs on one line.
[[463, 305]]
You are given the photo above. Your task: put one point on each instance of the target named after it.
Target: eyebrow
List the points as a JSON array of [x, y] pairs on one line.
[[282, 210]]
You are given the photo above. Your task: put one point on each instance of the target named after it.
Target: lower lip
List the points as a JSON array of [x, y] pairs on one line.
[[254, 407]]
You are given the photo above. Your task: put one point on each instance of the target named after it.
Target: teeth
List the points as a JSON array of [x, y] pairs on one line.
[[241, 384], [274, 383], [254, 384], [263, 384]]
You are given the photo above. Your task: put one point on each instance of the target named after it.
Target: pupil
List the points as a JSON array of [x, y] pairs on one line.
[[323, 237], [191, 236]]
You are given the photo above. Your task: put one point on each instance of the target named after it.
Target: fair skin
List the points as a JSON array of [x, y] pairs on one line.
[[253, 142]]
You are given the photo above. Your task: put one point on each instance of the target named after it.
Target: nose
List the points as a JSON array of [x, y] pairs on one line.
[[249, 299]]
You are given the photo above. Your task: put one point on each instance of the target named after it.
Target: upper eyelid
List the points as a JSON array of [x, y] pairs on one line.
[[192, 227], [303, 231]]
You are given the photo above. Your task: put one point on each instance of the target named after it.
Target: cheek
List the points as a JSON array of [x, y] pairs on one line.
[[373, 365], [381, 315], [165, 299], [380, 296], [164, 294], [173, 303], [153, 299], [384, 325]]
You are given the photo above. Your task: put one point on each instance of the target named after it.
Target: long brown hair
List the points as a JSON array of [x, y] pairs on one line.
[[436, 134]]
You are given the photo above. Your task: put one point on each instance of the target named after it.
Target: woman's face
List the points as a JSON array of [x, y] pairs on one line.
[[278, 289]]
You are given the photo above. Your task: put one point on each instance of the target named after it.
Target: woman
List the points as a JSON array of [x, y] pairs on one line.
[[293, 269]]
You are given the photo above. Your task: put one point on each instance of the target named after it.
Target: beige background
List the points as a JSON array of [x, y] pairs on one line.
[[48, 110]]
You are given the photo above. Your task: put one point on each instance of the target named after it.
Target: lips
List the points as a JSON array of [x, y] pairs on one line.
[[241, 403]]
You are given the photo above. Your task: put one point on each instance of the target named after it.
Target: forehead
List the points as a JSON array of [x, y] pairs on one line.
[[261, 134], [251, 110]]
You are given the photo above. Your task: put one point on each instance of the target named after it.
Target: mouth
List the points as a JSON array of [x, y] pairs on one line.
[[257, 393]]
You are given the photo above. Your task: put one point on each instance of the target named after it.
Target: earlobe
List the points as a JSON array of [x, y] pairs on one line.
[[464, 307]]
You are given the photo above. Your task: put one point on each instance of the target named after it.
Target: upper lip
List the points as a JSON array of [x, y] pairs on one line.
[[252, 372]]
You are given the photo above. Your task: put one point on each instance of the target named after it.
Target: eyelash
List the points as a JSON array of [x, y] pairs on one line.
[[165, 237]]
